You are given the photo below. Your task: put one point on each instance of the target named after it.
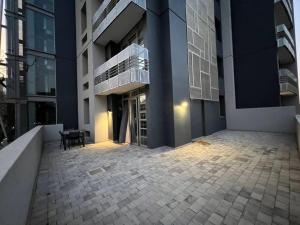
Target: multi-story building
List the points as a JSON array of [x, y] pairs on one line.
[[38, 64], [159, 72], [260, 69]]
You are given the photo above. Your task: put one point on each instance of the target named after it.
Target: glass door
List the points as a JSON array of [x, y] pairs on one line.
[[138, 120], [133, 121], [142, 120]]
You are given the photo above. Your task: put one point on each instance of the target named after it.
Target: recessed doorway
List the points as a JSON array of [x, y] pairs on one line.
[[138, 120]]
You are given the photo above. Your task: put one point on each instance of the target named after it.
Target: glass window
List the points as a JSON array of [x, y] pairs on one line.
[[43, 4], [41, 113], [41, 76], [40, 32], [86, 105]]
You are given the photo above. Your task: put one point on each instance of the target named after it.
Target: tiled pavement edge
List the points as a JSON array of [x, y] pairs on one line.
[[240, 178]]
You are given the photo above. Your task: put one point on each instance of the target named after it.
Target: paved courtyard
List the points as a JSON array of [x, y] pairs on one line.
[[228, 178]]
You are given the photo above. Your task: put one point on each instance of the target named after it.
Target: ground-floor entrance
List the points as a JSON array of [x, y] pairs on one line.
[[129, 118], [137, 120]]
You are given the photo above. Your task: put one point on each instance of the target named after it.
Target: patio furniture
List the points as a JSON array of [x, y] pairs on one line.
[[62, 139], [71, 137]]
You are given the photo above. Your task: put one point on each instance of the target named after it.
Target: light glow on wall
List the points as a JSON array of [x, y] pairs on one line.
[[182, 109]]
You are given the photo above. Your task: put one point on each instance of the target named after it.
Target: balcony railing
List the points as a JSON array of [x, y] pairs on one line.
[[124, 72], [283, 13], [115, 18], [286, 53], [288, 82], [282, 31]]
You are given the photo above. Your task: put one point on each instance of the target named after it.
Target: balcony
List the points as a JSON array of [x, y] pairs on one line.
[[283, 13], [124, 72], [288, 83], [114, 19], [286, 53], [283, 32]]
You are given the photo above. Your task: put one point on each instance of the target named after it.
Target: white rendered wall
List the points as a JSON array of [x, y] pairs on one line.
[[98, 126]]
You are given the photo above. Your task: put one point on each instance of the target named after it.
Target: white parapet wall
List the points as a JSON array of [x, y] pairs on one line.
[[272, 119], [19, 163], [51, 132]]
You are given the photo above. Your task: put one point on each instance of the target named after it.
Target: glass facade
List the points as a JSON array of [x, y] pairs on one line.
[[40, 32], [43, 4], [41, 76], [41, 64], [27, 75], [41, 113]]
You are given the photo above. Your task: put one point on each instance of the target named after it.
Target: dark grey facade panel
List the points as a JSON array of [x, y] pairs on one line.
[[174, 119], [180, 80], [206, 119], [155, 96], [255, 54], [213, 121], [169, 87], [66, 76], [197, 116]]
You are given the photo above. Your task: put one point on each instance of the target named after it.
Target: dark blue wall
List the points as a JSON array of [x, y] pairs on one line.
[[66, 77], [255, 54]]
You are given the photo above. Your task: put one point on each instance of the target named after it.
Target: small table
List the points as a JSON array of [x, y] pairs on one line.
[[66, 134]]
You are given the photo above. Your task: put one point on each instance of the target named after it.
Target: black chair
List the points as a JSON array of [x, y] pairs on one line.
[[72, 137], [62, 139], [82, 138]]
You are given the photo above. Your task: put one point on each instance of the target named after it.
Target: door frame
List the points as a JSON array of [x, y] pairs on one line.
[[137, 108]]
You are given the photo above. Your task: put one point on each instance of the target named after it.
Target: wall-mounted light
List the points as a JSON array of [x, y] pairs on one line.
[[181, 109], [184, 104]]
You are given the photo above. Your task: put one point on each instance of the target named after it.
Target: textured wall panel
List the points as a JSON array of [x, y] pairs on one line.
[[202, 57]]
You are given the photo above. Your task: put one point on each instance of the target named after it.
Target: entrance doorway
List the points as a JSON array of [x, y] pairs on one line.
[[138, 120]]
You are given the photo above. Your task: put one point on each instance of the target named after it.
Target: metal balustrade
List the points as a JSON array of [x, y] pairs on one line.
[[283, 13], [288, 82], [126, 71], [286, 53], [282, 31]]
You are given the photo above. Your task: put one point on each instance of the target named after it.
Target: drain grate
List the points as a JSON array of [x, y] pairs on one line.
[[96, 171]]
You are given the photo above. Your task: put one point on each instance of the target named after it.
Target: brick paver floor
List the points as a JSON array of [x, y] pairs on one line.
[[230, 178]]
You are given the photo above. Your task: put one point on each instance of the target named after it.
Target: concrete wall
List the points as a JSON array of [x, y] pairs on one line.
[[19, 164], [272, 119], [51, 132]]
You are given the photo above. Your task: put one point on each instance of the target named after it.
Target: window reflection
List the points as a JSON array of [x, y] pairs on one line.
[[40, 32], [41, 113], [40, 76], [43, 4]]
